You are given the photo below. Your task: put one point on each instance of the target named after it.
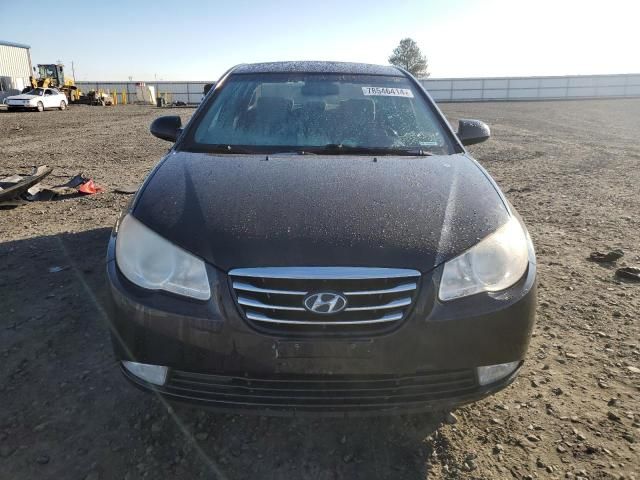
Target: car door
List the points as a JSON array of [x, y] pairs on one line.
[[50, 98], [59, 97], [46, 98]]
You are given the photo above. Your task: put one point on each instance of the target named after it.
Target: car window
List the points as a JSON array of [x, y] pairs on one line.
[[48, 92], [315, 110], [36, 91]]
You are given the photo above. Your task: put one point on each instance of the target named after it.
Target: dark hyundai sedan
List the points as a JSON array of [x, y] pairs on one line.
[[318, 240]]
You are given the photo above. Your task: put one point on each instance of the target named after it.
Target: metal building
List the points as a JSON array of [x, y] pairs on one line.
[[15, 68]]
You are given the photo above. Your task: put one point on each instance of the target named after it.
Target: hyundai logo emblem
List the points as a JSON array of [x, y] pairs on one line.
[[325, 303]]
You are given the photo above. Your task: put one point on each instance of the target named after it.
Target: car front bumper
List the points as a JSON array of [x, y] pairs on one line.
[[216, 359], [21, 105]]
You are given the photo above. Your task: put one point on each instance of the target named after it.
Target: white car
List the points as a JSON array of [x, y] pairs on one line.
[[38, 99]]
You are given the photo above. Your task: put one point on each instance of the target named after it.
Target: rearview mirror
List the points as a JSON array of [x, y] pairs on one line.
[[167, 128], [472, 131]]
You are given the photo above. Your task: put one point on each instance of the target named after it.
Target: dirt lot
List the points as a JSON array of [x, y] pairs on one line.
[[572, 169]]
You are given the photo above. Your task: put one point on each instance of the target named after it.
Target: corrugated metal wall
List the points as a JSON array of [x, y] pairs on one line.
[[14, 62], [447, 89], [15, 67]]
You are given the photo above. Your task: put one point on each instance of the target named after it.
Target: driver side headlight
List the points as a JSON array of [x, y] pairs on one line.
[[152, 262], [494, 264]]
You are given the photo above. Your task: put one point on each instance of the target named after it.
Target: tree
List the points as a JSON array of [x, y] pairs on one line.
[[408, 56]]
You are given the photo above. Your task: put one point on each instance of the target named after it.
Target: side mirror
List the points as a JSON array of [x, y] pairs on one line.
[[472, 131], [166, 128]]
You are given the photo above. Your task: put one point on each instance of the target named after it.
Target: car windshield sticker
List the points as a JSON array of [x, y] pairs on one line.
[[388, 92]]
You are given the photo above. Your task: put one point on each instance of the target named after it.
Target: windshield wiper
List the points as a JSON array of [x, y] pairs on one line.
[[328, 149], [339, 149]]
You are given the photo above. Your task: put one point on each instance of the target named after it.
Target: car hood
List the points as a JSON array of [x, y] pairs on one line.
[[310, 210], [23, 96]]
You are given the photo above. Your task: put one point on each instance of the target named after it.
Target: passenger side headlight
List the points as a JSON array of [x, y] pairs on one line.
[[496, 263], [152, 262]]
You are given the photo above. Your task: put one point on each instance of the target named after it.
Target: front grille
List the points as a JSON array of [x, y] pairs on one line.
[[321, 392], [273, 299]]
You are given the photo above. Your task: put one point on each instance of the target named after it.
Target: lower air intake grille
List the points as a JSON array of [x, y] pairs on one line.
[[321, 392], [324, 300]]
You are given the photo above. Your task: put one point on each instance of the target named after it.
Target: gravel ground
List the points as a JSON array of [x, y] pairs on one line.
[[572, 169]]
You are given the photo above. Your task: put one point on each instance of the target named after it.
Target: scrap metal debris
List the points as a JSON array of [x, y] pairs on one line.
[[126, 189], [13, 187], [629, 273], [608, 257], [18, 190]]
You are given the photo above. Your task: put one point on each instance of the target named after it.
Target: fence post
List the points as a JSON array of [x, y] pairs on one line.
[[625, 92]]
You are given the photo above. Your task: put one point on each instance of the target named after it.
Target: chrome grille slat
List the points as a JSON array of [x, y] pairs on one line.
[[251, 288], [248, 302], [272, 299], [258, 317], [402, 302], [400, 288], [323, 273]]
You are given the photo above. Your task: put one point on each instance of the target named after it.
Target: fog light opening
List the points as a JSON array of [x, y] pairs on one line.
[[493, 373], [155, 374]]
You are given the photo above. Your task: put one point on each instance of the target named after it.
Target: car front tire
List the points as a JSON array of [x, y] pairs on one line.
[[40, 107]]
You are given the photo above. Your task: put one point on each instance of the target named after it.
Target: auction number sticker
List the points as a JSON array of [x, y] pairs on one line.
[[387, 92]]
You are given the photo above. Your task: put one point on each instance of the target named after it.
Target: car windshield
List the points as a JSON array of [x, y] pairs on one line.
[[319, 113], [36, 91]]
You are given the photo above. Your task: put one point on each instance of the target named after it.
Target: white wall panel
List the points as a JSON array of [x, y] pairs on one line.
[[440, 95], [523, 93], [467, 94], [496, 83], [581, 92], [553, 82], [582, 81], [610, 91], [553, 93], [467, 84], [515, 83], [448, 89], [535, 88], [495, 94], [440, 84]]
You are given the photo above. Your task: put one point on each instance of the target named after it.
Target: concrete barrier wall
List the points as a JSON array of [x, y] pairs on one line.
[[442, 89]]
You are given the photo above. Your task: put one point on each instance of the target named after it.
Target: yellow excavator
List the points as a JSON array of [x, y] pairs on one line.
[[52, 75]]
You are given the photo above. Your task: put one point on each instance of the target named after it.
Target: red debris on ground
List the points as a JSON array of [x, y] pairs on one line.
[[89, 187]]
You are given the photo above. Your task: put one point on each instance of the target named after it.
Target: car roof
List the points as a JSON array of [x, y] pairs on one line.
[[318, 67]]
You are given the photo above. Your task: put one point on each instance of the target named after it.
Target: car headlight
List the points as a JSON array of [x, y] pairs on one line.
[[496, 263], [152, 262]]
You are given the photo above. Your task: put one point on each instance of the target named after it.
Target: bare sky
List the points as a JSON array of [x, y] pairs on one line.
[[199, 40]]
